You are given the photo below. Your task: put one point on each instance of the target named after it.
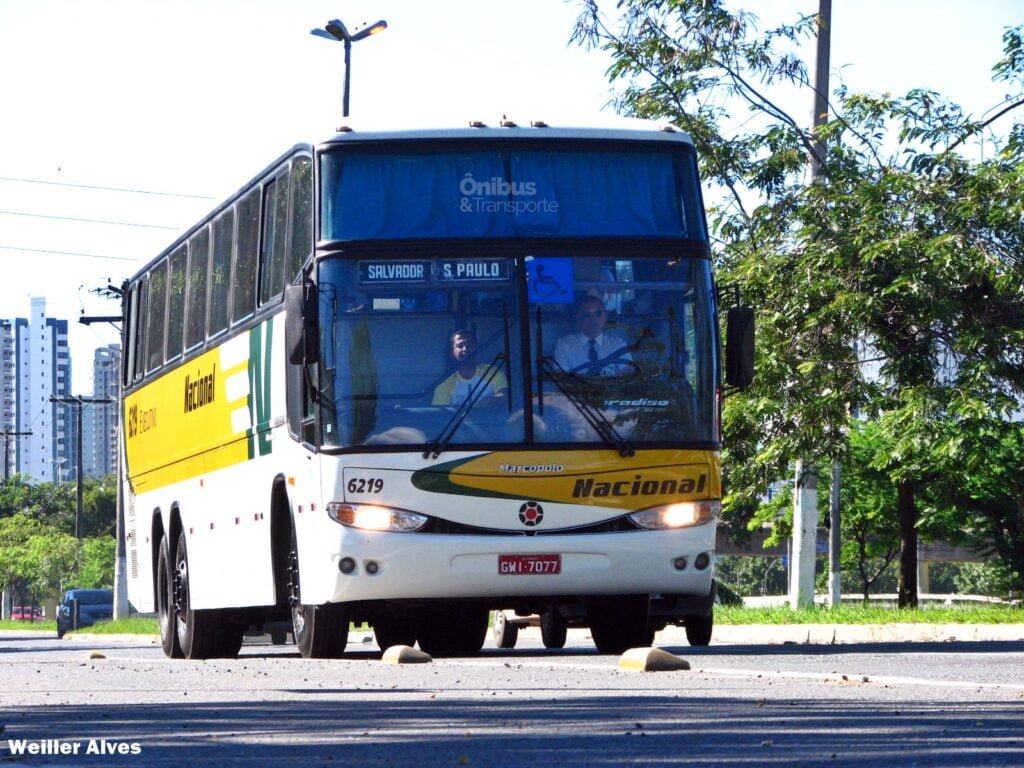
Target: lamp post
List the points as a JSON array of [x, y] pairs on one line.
[[336, 30]]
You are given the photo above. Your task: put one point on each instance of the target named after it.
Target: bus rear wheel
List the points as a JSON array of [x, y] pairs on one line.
[[202, 634], [456, 631], [165, 602], [620, 623]]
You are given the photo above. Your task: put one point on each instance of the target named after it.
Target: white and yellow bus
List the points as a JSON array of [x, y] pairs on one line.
[[303, 444]]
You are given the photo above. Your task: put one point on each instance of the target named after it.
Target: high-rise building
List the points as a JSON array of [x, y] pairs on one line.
[[99, 422], [39, 370], [7, 421]]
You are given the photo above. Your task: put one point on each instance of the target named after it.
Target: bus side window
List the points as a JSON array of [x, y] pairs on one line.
[[243, 287], [220, 271], [275, 227], [131, 330], [139, 336], [156, 317], [176, 303], [301, 218], [195, 308]]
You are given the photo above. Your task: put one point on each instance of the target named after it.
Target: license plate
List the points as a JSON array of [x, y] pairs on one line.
[[529, 565]]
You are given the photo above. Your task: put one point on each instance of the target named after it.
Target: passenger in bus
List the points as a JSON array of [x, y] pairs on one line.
[[591, 351], [456, 388]]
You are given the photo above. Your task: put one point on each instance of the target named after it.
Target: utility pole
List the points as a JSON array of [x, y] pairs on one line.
[[818, 119], [805, 490], [79, 402], [7, 435], [122, 609]]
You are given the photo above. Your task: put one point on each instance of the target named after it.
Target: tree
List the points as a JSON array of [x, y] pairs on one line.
[[20, 552], [97, 565], [892, 288], [868, 498]]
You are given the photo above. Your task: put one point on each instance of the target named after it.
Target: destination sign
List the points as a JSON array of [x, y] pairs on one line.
[[394, 271], [472, 269]]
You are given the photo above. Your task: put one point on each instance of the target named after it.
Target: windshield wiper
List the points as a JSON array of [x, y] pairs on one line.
[[597, 421], [440, 444]]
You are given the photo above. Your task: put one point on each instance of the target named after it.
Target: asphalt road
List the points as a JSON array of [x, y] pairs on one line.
[[957, 703]]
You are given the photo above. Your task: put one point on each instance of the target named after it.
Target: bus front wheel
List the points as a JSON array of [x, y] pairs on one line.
[[320, 631]]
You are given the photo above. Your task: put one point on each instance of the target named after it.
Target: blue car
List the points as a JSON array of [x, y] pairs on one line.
[[93, 605]]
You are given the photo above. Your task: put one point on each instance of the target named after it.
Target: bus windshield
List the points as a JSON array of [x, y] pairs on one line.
[[502, 350]]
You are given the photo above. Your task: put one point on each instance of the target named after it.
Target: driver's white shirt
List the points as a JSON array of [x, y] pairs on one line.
[[573, 351]]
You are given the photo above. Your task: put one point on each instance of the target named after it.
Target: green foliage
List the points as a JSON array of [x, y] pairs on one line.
[[97, 569], [39, 555], [751, 576], [891, 288], [993, 579]]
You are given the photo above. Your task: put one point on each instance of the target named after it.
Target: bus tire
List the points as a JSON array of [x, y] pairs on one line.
[[453, 631], [699, 628], [620, 623], [202, 634], [165, 602], [504, 631], [553, 629], [396, 627], [319, 631]]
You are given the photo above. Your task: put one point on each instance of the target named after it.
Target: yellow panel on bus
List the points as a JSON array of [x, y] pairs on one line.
[[198, 417]]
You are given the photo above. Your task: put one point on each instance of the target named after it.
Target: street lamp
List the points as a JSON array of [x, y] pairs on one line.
[[335, 30]]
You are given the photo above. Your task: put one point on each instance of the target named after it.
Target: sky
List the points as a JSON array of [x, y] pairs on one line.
[[122, 122]]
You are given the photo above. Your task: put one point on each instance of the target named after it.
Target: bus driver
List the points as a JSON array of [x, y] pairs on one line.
[[590, 351]]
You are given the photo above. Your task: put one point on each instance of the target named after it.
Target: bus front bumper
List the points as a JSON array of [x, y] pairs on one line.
[[392, 566]]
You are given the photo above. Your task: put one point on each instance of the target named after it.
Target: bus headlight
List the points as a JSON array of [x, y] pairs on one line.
[[679, 515], [372, 517]]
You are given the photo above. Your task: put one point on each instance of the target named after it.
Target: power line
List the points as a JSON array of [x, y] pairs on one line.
[[88, 221], [68, 253], [106, 189]]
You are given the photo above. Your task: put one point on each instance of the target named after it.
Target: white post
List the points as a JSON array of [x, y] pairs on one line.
[[805, 531], [835, 589], [121, 607]]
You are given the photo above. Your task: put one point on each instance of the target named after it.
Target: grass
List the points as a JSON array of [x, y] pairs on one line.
[[872, 614], [31, 626], [133, 626]]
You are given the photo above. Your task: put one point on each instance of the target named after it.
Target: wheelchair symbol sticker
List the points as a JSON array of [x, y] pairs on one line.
[[550, 280]]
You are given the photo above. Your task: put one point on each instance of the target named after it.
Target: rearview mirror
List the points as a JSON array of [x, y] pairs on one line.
[[300, 325], [739, 347]]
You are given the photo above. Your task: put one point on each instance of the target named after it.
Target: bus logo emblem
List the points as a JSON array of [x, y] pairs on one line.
[[530, 514]]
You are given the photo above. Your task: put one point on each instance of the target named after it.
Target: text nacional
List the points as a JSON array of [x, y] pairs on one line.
[[199, 390]]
